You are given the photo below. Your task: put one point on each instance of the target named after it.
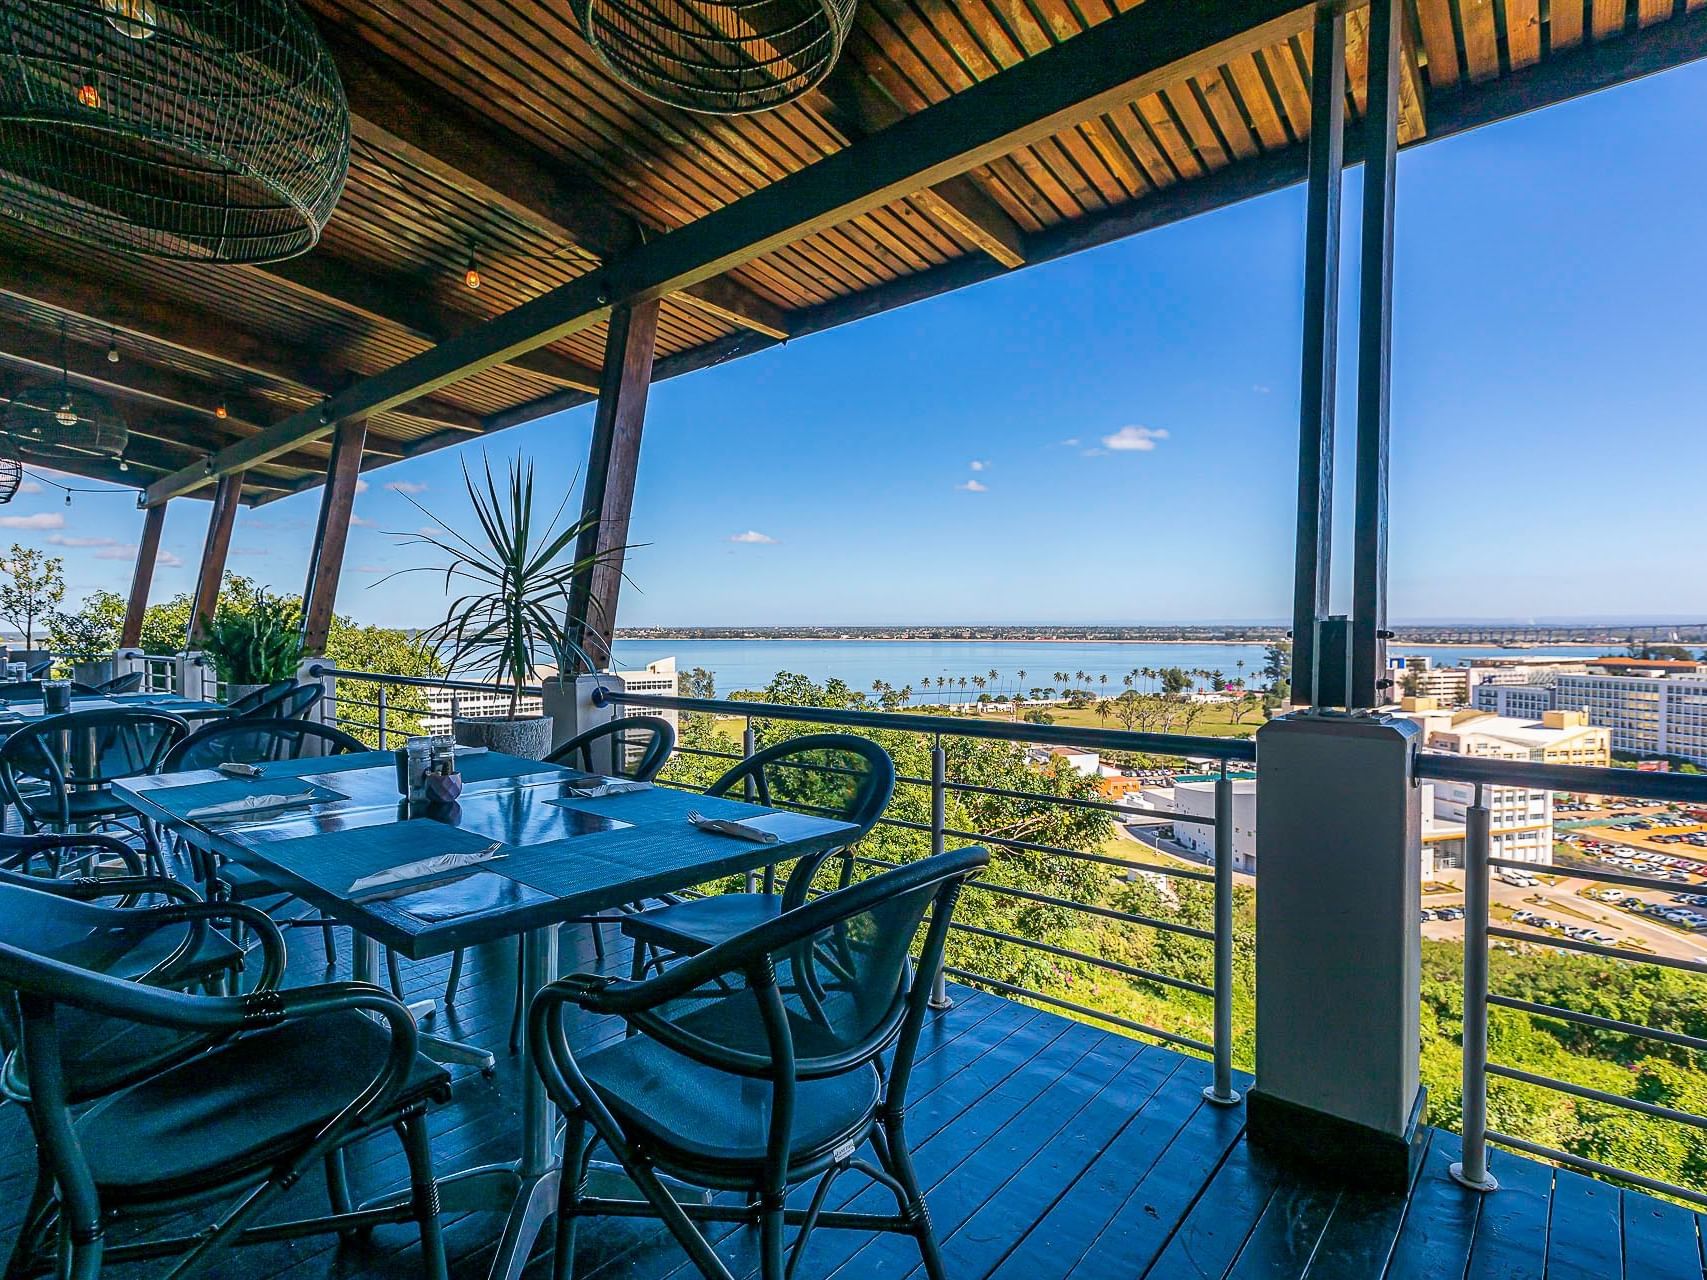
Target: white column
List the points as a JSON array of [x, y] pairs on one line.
[[570, 705], [1339, 859]]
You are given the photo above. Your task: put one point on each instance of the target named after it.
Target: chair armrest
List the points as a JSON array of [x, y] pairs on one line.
[[194, 912], [22, 850], [94, 888]]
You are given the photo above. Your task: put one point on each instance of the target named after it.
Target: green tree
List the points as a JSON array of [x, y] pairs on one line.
[[33, 588], [93, 630], [1277, 662]]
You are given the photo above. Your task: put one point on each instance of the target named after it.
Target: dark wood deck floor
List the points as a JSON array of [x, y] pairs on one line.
[[1052, 1151]]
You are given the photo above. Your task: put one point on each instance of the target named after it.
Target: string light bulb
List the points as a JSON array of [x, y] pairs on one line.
[[124, 463], [66, 414], [134, 18], [112, 348], [89, 96], [471, 273], [219, 411]]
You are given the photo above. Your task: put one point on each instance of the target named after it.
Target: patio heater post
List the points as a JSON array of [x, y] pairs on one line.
[[1370, 684], [226, 497], [1339, 844], [331, 534], [1317, 385], [142, 577]]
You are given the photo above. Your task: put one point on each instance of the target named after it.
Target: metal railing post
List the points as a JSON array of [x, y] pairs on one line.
[[381, 701], [1221, 1090], [1472, 1170], [940, 999], [750, 788]]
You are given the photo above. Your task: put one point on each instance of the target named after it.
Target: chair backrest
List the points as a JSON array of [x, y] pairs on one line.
[[254, 740], [819, 991], [21, 690], [244, 704], [833, 775], [39, 670], [130, 682], [82, 750], [286, 703], [639, 747]]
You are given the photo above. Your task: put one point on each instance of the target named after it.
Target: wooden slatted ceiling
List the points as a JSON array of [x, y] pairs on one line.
[[405, 232]]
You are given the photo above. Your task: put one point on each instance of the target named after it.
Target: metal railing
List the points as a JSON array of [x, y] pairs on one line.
[[1479, 930], [937, 729], [383, 725]]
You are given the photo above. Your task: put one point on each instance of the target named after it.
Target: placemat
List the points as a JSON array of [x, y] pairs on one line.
[[183, 800], [335, 860]]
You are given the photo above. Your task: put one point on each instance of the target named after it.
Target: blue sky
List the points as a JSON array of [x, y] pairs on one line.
[[1113, 436]]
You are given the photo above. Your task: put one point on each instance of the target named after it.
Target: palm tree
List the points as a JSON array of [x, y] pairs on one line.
[[1104, 709], [1020, 676], [1104, 679]]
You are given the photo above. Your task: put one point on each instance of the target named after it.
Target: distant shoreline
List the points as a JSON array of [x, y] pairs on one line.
[[674, 637]]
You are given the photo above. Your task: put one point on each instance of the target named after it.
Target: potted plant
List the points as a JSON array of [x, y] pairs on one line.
[[513, 615], [254, 647]]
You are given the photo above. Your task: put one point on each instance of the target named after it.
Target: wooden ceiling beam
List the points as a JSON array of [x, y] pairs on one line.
[[408, 306], [858, 108], [207, 334], [401, 113]]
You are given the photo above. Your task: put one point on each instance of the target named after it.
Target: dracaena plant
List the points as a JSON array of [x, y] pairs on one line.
[[255, 645], [511, 583]]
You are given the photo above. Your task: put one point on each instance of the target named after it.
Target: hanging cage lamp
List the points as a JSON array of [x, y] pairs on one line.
[[210, 130], [11, 476], [58, 422], [718, 57]]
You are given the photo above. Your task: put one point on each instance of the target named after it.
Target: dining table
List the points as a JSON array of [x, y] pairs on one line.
[[17, 712], [526, 848]]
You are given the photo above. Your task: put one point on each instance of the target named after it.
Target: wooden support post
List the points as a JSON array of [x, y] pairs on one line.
[[326, 563], [1374, 350], [142, 576], [611, 465], [212, 571], [1321, 350]]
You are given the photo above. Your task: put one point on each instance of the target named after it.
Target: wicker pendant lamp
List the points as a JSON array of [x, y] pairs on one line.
[[718, 57], [58, 422], [11, 476], [212, 130]]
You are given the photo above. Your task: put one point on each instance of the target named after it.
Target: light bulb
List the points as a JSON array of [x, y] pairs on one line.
[[124, 463], [112, 353], [134, 18], [68, 497], [89, 96], [219, 411], [471, 273], [66, 414]]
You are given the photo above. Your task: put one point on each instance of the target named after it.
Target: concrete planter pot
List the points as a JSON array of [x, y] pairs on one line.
[[528, 737], [234, 691], [92, 673]]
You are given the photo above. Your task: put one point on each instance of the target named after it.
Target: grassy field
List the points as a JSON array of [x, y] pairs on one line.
[[1215, 722]]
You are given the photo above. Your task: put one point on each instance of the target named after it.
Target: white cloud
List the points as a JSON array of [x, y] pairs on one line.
[[409, 488], [1071, 442], [41, 520], [29, 486], [357, 522], [753, 536], [250, 551], [64, 540], [431, 531], [361, 486], [1134, 439], [169, 560], [972, 486], [979, 465], [118, 551], [372, 568]]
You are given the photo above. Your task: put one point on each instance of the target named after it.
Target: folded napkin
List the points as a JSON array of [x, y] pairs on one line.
[[427, 868], [249, 806], [472, 751], [733, 827], [607, 787]]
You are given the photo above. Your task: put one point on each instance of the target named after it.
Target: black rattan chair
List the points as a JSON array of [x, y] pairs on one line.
[[289, 1079], [757, 1067], [59, 772], [242, 706], [286, 700], [158, 936], [639, 747], [835, 775], [256, 740], [20, 691], [129, 683]]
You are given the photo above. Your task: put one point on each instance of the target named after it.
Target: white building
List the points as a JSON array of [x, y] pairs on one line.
[[1086, 763], [1197, 799], [1418, 676], [445, 704], [1647, 715]]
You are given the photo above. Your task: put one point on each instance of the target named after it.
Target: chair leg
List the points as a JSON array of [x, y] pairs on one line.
[[455, 979], [569, 1197], [329, 935], [338, 1182], [772, 1255], [38, 1217], [895, 1156], [394, 973], [519, 1010], [424, 1189]]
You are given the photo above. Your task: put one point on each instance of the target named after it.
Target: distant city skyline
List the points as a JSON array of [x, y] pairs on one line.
[[1112, 436]]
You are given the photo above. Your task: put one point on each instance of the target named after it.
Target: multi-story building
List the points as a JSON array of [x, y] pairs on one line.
[[443, 705], [1521, 819], [1418, 676], [1197, 800], [1646, 715]]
